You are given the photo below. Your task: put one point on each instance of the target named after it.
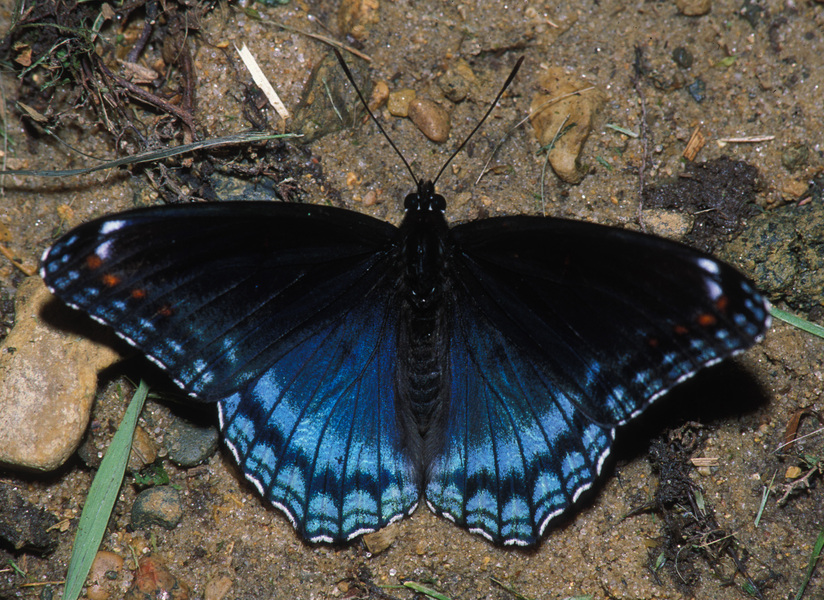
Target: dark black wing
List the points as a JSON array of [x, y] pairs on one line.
[[285, 314], [563, 331]]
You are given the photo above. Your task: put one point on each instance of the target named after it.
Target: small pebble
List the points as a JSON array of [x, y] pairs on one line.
[[378, 541], [565, 118], [398, 102], [144, 450], [697, 89], [154, 580], [794, 157], [453, 86], [217, 588], [157, 506], [107, 578], [670, 224], [693, 8], [682, 57], [356, 17], [380, 94], [431, 119], [189, 444], [370, 198]]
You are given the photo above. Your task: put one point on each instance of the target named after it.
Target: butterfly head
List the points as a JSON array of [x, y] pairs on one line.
[[425, 199]]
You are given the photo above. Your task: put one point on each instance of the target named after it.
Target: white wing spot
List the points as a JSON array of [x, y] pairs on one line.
[[111, 226], [710, 266], [103, 250]]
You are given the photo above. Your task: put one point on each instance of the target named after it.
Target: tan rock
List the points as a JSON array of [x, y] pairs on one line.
[[693, 8], [356, 17], [398, 102], [430, 118], [558, 112], [48, 379]]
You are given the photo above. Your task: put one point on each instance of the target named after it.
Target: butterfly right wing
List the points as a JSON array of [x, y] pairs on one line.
[[284, 315], [563, 331]]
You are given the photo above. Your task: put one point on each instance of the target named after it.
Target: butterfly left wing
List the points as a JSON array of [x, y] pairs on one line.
[[284, 315], [562, 332]]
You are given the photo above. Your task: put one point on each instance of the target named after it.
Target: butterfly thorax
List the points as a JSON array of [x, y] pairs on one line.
[[423, 235]]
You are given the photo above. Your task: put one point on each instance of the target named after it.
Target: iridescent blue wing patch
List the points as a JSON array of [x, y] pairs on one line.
[[562, 332], [282, 313], [317, 431], [518, 450]]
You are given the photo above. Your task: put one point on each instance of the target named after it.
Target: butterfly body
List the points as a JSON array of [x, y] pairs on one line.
[[359, 368], [422, 369]]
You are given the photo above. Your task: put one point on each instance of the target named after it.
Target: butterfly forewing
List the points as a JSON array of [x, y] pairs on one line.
[[616, 317], [193, 287]]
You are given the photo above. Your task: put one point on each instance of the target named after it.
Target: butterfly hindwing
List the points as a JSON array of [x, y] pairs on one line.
[[563, 331], [284, 315], [518, 451], [317, 433]]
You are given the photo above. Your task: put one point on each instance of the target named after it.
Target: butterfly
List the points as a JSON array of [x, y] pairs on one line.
[[360, 368]]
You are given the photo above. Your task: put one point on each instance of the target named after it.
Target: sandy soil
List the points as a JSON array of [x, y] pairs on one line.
[[763, 78]]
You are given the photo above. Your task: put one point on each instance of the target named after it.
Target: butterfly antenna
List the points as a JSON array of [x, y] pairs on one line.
[[351, 79], [481, 122]]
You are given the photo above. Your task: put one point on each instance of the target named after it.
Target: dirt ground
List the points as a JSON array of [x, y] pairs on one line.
[[762, 69]]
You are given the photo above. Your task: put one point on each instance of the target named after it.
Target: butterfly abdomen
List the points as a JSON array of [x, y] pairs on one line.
[[422, 375]]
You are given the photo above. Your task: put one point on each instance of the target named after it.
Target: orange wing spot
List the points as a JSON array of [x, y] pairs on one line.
[[138, 293], [652, 342], [706, 320], [165, 311], [681, 330], [110, 280], [722, 304], [93, 261]]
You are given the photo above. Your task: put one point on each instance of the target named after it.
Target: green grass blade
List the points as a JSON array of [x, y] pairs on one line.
[[819, 545], [426, 591], [102, 496], [765, 494], [798, 322], [623, 130]]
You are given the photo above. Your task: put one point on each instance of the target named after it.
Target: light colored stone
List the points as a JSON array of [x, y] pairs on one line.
[[398, 102], [356, 17], [693, 8], [430, 118], [48, 379], [107, 577], [557, 110], [667, 223]]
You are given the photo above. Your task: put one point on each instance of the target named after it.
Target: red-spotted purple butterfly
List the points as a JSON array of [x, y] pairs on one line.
[[360, 367]]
